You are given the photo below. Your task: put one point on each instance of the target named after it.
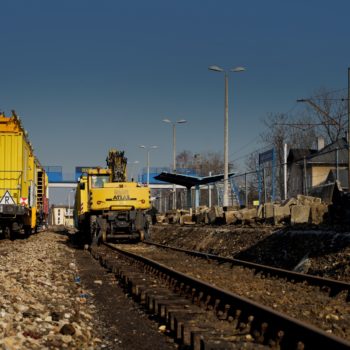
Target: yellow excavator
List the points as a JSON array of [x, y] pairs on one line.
[[107, 206]]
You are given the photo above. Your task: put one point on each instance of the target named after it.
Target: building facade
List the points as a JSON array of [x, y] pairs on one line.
[[61, 215]]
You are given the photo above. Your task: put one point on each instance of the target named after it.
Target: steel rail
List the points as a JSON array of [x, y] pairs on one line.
[[334, 285], [295, 331]]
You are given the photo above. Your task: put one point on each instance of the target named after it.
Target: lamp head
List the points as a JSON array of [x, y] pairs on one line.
[[237, 69], [215, 68]]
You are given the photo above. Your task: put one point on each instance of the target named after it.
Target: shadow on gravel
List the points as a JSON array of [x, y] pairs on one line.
[[76, 239], [288, 248]]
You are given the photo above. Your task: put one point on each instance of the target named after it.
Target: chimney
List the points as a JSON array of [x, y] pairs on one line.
[[320, 143]]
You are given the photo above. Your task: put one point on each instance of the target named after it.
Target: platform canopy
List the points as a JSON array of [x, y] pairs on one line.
[[187, 180]]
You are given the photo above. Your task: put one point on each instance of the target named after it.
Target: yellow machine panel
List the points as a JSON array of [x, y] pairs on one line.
[[18, 179], [120, 196], [16, 160], [81, 197]]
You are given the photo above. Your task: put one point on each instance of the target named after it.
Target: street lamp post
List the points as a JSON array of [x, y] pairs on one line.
[[181, 121], [221, 70], [148, 149]]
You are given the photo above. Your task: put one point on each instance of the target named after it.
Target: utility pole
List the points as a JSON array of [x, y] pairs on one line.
[[285, 171], [348, 129]]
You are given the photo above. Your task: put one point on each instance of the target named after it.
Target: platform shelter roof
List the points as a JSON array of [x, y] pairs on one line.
[[187, 180]]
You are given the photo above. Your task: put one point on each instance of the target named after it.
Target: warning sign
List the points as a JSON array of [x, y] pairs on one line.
[[7, 199], [24, 201]]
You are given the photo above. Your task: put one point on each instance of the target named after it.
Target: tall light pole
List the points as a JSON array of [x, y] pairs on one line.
[[348, 129], [221, 70], [181, 121], [148, 149]]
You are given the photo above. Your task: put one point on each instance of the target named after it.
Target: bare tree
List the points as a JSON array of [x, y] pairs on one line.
[[252, 165], [202, 163], [282, 129], [184, 159]]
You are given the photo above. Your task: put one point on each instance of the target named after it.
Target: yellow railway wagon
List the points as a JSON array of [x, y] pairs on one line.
[[18, 173]]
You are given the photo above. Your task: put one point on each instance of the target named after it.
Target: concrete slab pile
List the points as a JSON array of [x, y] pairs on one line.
[[299, 210]]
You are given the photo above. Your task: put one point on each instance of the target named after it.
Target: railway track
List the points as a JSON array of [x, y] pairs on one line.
[[201, 315], [334, 287]]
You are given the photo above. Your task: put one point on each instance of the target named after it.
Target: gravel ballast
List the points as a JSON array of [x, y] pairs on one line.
[[42, 305], [54, 295]]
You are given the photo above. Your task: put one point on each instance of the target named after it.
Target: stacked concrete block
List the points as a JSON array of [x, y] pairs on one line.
[[300, 214], [318, 213], [300, 210], [162, 219], [260, 213], [281, 213], [230, 217], [307, 200], [268, 211], [248, 215], [201, 216], [215, 215], [186, 219]]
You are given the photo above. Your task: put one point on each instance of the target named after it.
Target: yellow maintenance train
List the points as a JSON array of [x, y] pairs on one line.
[[23, 181], [107, 206]]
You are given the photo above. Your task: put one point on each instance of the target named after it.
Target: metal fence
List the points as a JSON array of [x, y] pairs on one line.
[[269, 183]]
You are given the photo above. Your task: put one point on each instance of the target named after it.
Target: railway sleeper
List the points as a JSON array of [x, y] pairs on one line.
[[184, 325], [177, 315], [161, 305], [147, 291], [153, 297], [204, 339], [136, 284], [190, 334], [189, 328], [138, 288], [216, 341], [126, 274], [220, 344]]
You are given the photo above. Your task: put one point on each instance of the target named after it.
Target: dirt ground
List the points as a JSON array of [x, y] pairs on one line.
[[323, 252]]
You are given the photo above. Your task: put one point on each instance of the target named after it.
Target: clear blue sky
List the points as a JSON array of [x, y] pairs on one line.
[[86, 75]]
